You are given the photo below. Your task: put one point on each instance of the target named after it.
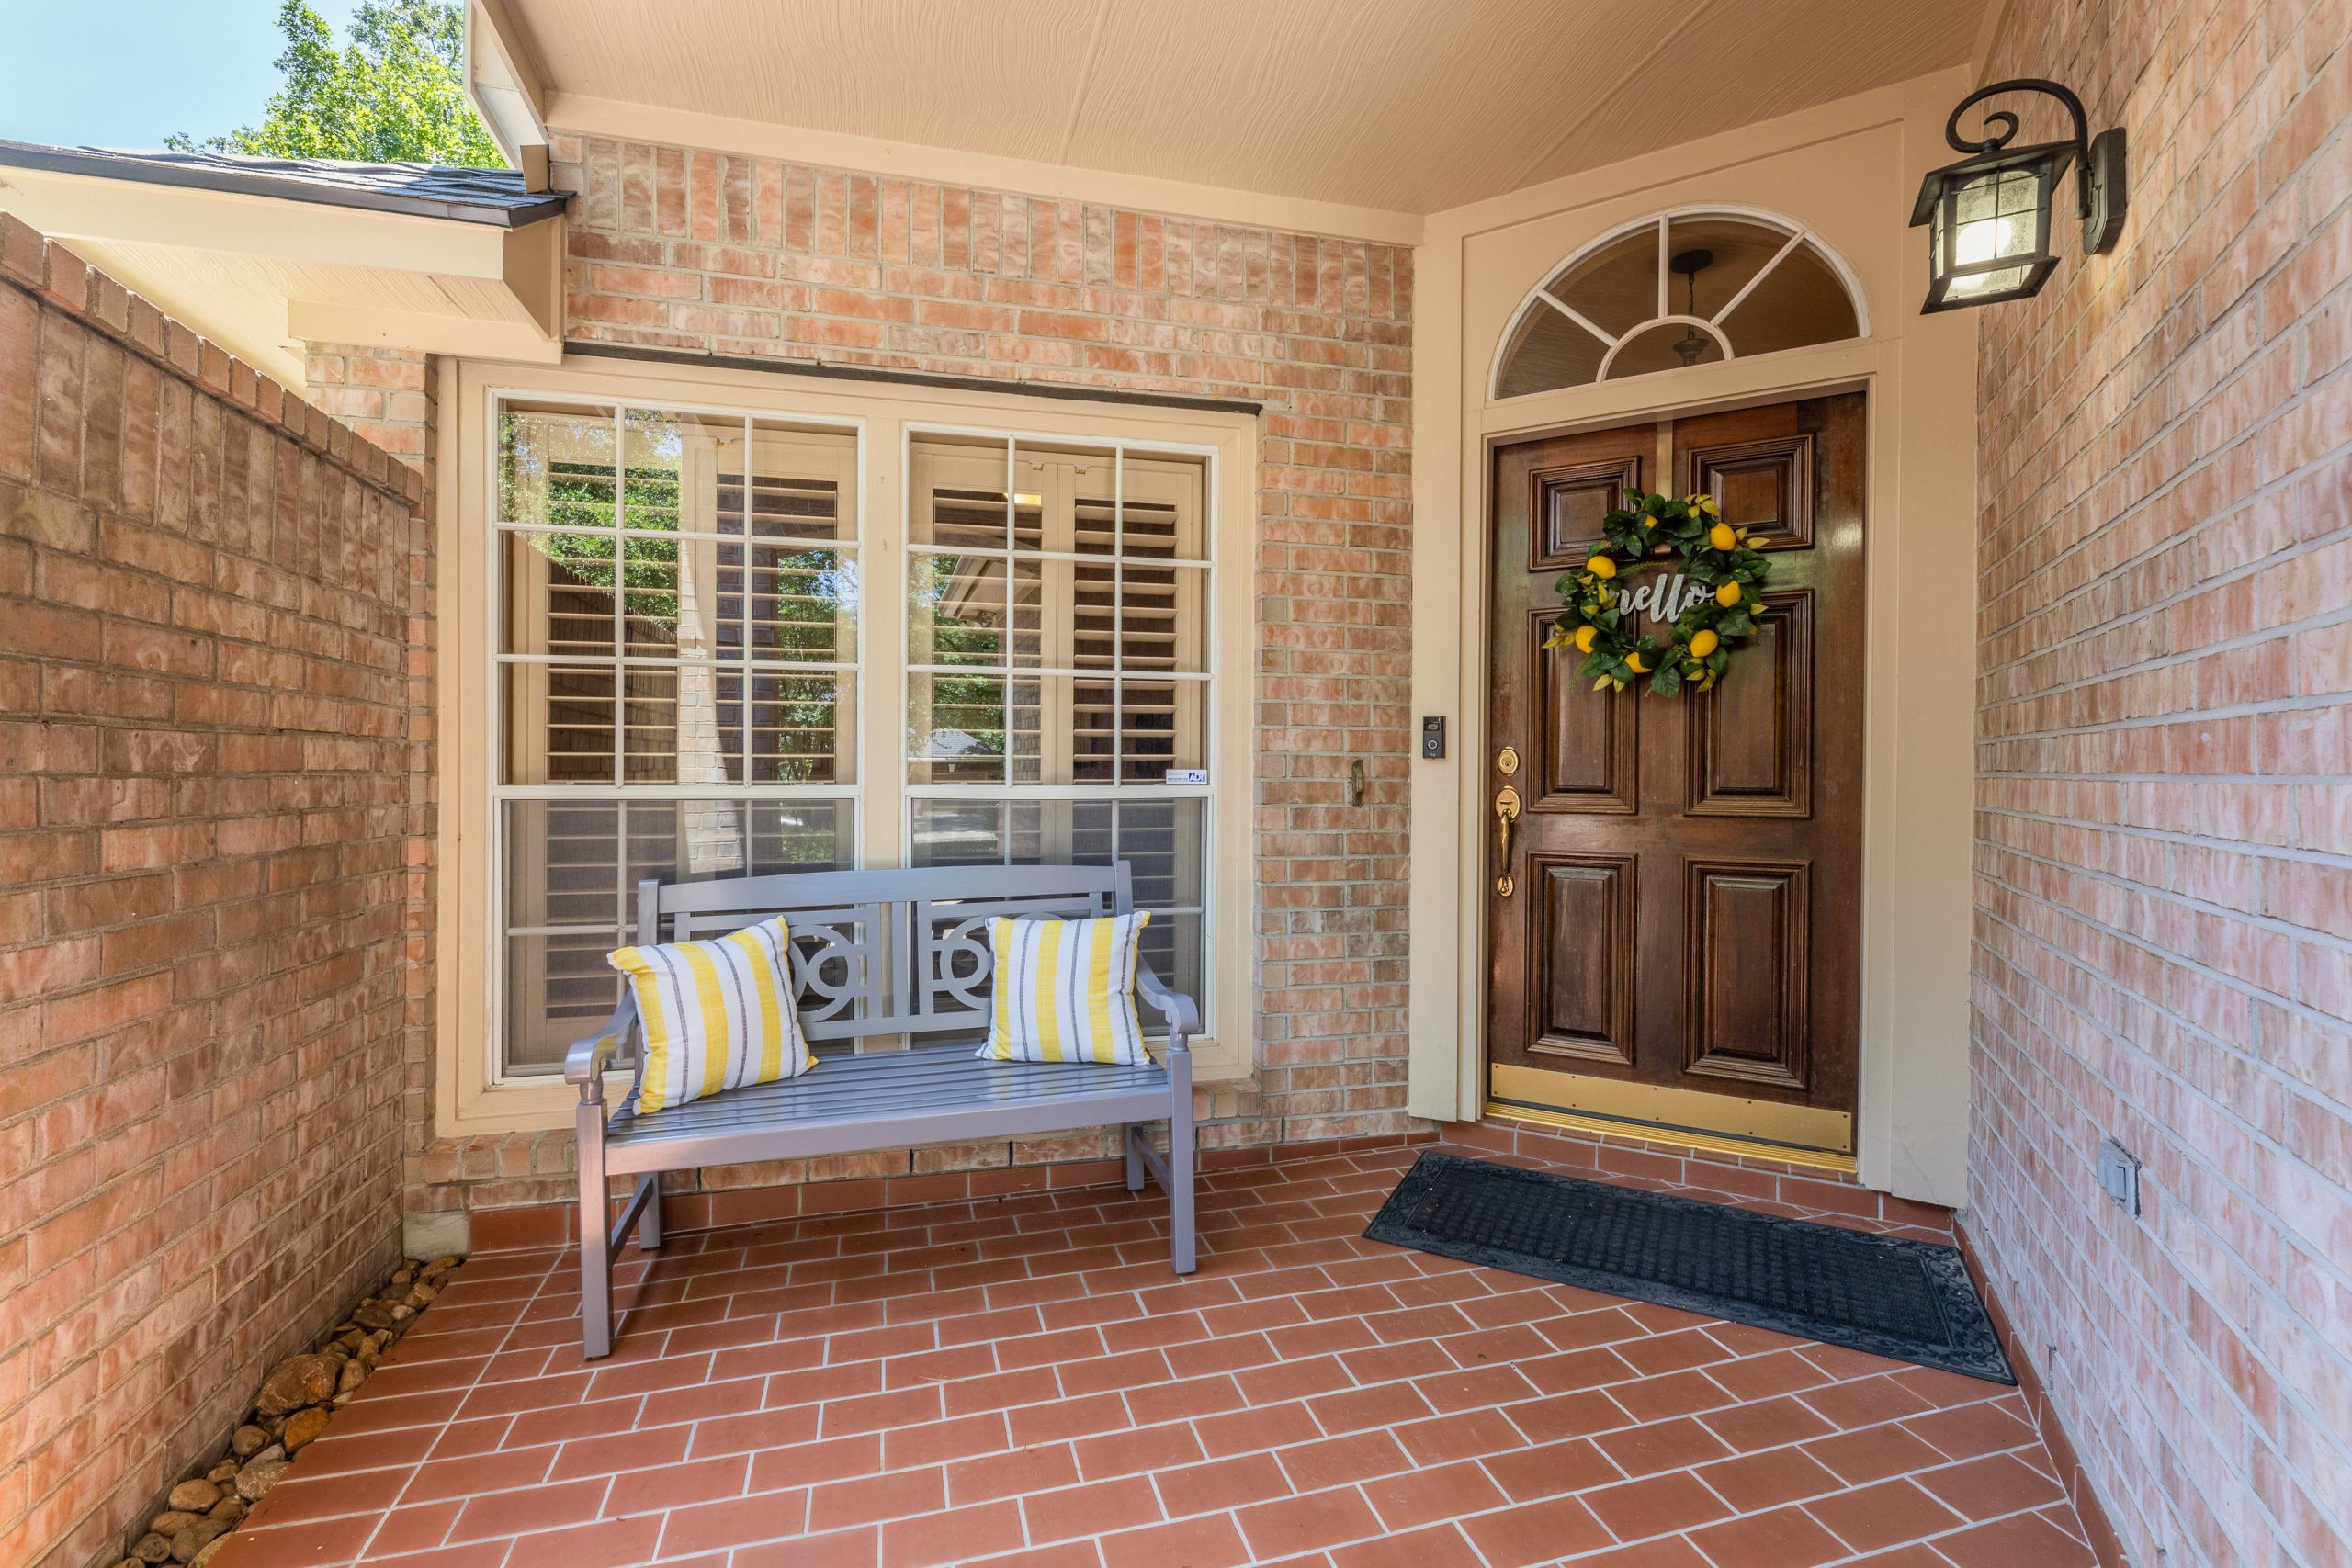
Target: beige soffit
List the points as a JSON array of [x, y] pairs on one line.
[[1382, 109], [262, 276]]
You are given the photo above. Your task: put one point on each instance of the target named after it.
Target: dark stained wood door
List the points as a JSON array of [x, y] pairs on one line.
[[1680, 942]]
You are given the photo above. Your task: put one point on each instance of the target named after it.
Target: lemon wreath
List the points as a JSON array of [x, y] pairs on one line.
[[1713, 599]]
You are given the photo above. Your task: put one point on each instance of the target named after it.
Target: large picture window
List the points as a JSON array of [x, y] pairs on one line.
[[692, 612]]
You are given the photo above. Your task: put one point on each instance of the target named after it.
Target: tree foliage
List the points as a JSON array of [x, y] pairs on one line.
[[395, 94]]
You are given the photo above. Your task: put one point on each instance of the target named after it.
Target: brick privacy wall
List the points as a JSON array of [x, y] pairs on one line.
[[389, 396], [715, 253], [2163, 862], [206, 783]]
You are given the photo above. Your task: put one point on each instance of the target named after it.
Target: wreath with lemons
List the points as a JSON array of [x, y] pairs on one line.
[[1716, 595]]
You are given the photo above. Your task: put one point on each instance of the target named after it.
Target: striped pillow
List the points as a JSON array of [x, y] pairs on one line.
[[1066, 991], [717, 1014]]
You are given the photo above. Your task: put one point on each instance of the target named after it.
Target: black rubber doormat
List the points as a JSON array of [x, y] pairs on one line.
[[1908, 1299]]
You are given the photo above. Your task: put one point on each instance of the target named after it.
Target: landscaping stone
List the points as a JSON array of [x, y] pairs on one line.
[[255, 1481], [298, 1381], [302, 1427], [194, 1497], [196, 1536], [293, 1410]]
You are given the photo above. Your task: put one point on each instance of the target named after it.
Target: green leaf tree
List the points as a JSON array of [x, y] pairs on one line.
[[395, 94]]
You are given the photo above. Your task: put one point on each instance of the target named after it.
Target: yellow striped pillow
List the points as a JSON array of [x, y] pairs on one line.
[[717, 1014], [1066, 991]]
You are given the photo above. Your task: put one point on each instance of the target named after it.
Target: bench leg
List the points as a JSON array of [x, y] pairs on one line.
[[595, 1241], [1180, 1253], [649, 1222], [1134, 1144]]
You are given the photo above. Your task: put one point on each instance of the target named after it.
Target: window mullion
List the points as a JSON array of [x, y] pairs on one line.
[[1118, 629], [620, 601], [748, 597]]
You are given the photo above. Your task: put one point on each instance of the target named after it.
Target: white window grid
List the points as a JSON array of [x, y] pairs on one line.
[[745, 793]]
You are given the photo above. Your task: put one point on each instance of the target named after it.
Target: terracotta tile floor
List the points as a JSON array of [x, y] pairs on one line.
[[1023, 1382]]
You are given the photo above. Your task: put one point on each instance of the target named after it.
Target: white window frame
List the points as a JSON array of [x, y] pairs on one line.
[[472, 1095]]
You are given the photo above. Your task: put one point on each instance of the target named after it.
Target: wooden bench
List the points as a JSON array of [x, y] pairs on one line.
[[877, 955]]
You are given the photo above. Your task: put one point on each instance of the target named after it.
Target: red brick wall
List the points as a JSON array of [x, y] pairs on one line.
[[2164, 925], [715, 253], [207, 800]]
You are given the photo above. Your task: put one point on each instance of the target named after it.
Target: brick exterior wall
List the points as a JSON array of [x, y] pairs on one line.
[[386, 394], [716, 254], [208, 801], [2163, 865]]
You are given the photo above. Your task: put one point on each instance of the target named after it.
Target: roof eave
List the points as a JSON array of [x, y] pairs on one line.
[[71, 160]]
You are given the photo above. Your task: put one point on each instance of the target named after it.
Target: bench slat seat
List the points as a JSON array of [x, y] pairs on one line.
[[898, 959], [922, 1094]]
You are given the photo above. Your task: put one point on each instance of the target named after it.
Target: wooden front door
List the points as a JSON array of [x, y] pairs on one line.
[[1676, 920]]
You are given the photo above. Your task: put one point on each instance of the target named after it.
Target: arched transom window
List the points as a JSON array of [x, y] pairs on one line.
[[1681, 288]]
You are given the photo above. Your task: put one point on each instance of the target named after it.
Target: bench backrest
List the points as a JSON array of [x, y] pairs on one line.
[[885, 951]]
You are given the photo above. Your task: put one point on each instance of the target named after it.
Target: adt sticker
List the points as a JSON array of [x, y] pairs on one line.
[[1188, 776]]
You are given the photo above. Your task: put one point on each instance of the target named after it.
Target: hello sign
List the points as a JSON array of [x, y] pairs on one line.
[[1664, 597]]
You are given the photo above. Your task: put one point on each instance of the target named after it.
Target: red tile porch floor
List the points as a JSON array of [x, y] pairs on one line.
[[1022, 1381]]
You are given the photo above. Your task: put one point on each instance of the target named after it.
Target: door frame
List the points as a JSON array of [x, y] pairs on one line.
[[1918, 775]]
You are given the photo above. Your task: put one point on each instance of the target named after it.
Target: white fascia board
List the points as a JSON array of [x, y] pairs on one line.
[[500, 82], [71, 207]]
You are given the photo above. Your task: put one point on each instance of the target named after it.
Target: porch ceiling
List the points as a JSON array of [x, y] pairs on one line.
[[1405, 106]]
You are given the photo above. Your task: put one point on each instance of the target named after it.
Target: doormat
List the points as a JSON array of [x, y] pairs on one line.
[[1910, 1301]]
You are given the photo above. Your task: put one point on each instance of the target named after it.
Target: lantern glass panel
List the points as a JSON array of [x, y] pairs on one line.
[[1995, 216]]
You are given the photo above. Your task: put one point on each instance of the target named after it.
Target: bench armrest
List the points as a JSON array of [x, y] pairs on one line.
[[1183, 1013], [585, 1062]]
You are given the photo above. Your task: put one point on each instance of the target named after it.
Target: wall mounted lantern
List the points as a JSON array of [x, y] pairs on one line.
[[1988, 215]]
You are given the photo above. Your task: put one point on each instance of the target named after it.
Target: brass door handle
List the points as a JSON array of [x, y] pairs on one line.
[[1505, 813]]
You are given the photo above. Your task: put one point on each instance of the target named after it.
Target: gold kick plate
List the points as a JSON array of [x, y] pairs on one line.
[[1769, 1128]]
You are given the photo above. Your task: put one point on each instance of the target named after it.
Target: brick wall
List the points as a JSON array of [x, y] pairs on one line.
[[207, 794], [2164, 924], [715, 253]]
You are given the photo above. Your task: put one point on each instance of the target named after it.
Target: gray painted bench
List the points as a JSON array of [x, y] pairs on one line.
[[875, 954]]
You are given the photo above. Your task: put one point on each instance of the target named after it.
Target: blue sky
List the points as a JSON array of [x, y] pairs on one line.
[[128, 72]]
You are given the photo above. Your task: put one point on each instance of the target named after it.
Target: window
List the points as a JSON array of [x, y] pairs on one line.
[[1057, 671], [702, 657], [677, 678], [1682, 288]]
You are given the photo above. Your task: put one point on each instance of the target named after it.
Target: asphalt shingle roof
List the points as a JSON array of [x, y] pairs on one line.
[[427, 190]]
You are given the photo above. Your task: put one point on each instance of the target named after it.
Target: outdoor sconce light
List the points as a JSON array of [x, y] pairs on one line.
[[1988, 215]]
